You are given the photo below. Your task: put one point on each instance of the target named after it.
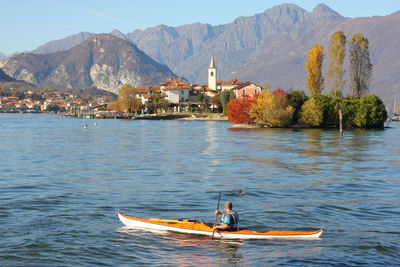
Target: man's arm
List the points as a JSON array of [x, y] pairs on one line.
[[221, 227]]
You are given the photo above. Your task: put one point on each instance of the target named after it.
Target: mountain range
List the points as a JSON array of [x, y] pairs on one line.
[[103, 61], [267, 48]]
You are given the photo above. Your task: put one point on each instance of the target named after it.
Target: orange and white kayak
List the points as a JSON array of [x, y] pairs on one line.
[[201, 228]]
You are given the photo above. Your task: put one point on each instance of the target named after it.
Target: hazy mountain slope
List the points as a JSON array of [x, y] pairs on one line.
[[270, 47], [104, 61], [63, 44], [240, 47], [69, 42]]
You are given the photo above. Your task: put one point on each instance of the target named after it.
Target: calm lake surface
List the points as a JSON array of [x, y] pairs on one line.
[[61, 185]]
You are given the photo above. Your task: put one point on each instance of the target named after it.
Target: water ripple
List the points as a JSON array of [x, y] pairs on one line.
[[61, 185]]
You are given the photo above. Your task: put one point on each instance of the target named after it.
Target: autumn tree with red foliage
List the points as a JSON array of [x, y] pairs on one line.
[[238, 110]]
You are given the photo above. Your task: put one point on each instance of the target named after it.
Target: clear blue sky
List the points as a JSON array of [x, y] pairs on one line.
[[26, 24]]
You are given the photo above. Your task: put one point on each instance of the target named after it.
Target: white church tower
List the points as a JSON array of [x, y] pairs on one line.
[[212, 75]]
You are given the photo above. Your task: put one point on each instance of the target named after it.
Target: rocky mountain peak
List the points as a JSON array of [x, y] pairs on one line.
[[118, 34], [103, 61], [324, 11], [287, 12], [63, 44]]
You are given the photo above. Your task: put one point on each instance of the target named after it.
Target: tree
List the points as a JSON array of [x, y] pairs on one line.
[[20, 95], [238, 110], [360, 65], [272, 110], [296, 99], [349, 109], [216, 103], [114, 106], [337, 51], [371, 112], [225, 97], [159, 102], [315, 81], [330, 109], [311, 115], [266, 87], [127, 98]]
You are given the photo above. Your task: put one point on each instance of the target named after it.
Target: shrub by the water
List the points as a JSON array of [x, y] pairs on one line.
[[330, 108], [272, 110], [296, 99], [311, 114], [349, 108], [323, 111], [371, 112]]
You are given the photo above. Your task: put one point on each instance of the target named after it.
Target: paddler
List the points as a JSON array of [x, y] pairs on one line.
[[230, 219]]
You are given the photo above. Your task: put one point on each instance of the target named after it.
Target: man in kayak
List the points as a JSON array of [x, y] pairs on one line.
[[230, 219]]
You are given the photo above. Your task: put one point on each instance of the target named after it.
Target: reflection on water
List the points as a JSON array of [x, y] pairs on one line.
[[61, 184]]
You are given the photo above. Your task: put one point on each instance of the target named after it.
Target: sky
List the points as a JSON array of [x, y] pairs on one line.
[[27, 24]]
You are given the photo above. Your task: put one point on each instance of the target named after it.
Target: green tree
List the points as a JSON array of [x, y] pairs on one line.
[[20, 95], [360, 65], [296, 99], [337, 51], [330, 109], [311, 115], [52, 108], [313, 66], [225, 97], [349, 108], [371, 112], [36, 96], [127, 98]]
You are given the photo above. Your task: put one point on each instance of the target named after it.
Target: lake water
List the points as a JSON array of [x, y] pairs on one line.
[[61, 185]]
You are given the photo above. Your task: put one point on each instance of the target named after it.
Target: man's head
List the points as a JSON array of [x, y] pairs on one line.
[[228, 206]]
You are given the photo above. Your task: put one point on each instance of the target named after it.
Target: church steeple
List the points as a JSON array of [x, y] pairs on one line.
[[212, 75], [212, 63]]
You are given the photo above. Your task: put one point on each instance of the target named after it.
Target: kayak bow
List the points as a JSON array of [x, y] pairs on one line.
[[201, 228]]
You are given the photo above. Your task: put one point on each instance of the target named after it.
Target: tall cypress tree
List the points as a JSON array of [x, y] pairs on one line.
[[337, 51], [360, 65], [315, 81]]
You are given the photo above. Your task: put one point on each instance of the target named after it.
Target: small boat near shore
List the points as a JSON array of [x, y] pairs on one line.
[[201, 228]]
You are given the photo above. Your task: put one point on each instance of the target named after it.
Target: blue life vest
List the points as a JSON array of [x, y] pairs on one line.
[[231, 219]]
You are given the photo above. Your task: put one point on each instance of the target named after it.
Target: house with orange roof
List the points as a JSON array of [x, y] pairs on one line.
[[176, 91], [247, 89], [229, 84], [145, 93]]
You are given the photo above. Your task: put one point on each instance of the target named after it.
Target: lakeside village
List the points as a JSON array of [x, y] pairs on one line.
[[172, 98], [244, 103]]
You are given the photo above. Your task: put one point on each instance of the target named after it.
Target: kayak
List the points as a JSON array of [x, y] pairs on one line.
[[201, 228]]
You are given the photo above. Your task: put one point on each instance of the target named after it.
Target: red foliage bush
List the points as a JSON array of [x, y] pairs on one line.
[[238, 110]]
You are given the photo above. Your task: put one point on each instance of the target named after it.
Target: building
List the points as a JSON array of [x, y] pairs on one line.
[[212, 75], [146, 93], [176, 91], [247, 89], [219, 85], [222, 85]]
